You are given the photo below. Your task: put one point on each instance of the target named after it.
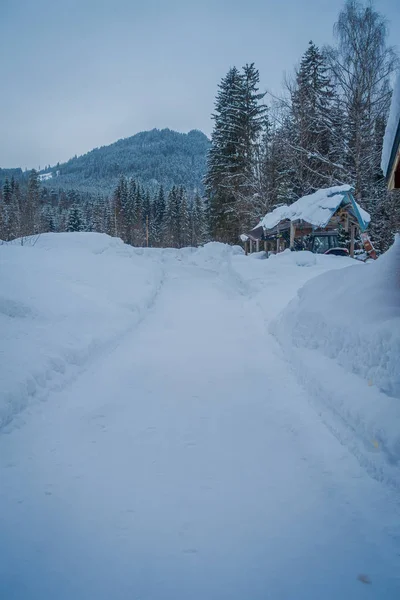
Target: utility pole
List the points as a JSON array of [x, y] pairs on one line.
[[147, 231]]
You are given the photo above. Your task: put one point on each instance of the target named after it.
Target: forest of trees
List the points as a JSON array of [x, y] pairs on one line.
[[326, 129], [132, 212]]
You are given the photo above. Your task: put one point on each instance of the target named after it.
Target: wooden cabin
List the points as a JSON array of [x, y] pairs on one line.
[[391, 143], [314, 218]]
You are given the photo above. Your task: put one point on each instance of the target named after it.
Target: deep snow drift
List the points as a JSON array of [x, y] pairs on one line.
[[354, 318], [351, 319], [159, 443], [62, 301]]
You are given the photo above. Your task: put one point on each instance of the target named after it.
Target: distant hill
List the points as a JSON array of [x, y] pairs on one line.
[[153, 157]]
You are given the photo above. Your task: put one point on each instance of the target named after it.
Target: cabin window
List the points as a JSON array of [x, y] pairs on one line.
[[323, 243]]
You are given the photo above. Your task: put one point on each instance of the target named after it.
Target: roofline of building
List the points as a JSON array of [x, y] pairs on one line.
[[393, 154]]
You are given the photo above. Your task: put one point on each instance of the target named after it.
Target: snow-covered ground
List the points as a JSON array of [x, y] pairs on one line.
[[183, 424]]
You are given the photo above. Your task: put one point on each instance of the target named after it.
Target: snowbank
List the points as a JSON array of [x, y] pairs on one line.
[[345, 325], [62, 301]]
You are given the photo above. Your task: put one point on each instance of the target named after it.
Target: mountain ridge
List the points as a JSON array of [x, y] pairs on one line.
[[155, 157]]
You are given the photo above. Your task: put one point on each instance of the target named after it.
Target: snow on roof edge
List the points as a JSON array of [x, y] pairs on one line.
[[316, 208], [392, 127]]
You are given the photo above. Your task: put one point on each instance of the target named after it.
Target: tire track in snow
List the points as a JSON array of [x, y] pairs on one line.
[[63, 372]]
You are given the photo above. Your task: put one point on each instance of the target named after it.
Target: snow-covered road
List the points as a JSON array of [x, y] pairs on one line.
[[186, 461]]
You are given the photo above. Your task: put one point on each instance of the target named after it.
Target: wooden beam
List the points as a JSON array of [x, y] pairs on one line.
[[292, 234], [352, 236], [392, 184]]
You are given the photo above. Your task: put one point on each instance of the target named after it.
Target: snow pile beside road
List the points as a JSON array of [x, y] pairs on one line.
[[62, 301], [345, 325], [353, 316]]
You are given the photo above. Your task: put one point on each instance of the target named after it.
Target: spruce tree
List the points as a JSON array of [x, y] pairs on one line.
[[225, 163], [184, 223], [7, 192], [198, 226], [30, 208], [129, 211], [313, 114], [138, 229], [158, 221], [147, 218], [232, 169], [173, 215], [120, 201], [75, 220]]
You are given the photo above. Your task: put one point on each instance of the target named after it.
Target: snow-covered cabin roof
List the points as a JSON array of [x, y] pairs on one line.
[[317, 209], [391, 141]]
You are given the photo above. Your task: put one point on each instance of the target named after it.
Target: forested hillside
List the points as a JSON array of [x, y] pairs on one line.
[[154, 158]]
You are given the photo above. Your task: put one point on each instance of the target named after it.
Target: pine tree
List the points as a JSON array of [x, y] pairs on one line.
[[254, 121], [120, 201], [313, 102], [9, 215], [30, 207], [48, 220], [198, 226], [129, 211], [232, 180], [225, 165], [75, 220], [7, 192], [138, 229], [98, 212], [147, 218], [184, 224], [173, 214], [158, 221]]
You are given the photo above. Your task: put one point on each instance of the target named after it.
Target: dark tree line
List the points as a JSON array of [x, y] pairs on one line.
[[133, 213], [170, 219], [327, 129]]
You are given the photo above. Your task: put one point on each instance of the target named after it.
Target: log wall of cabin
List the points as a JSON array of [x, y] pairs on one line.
[[394, 181]]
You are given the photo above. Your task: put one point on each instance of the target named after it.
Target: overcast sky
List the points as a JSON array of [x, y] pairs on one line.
[[76, 74]]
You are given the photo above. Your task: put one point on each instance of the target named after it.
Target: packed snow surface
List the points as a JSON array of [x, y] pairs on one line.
[[392, 127], [316, 209], [185, 423]]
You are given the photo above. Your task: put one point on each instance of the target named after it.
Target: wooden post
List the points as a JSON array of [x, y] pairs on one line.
[[352, 232], [258, 246], [292, 234], [147, 231], [246, 246], [250, 246], [265, 246]]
